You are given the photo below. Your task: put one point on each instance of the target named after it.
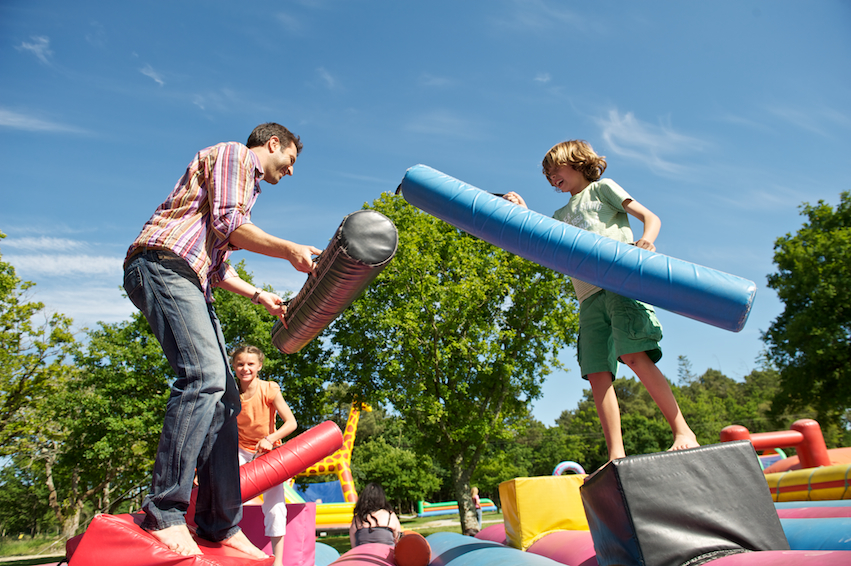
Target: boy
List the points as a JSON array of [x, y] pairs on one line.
[[612, 328]]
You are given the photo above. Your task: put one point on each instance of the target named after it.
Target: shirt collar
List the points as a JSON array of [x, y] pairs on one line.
[[258, 170]]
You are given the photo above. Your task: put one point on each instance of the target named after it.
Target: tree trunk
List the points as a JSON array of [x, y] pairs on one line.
[[461, 483], [72, 521]]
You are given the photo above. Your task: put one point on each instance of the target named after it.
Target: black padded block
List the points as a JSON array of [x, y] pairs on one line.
[[684, 507], [362, 246]]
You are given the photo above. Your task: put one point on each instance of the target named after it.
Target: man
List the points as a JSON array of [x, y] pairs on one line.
[[169, 274]]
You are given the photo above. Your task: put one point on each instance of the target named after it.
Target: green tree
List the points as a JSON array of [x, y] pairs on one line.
[[810, 342], [23, 499], [405, 476], [458, 335], [97, 435], [34, 345]]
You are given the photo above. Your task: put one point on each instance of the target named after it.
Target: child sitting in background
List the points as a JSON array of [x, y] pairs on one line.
[[374, 519]]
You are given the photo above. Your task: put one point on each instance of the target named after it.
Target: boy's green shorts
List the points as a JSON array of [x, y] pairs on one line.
[[611, 326]]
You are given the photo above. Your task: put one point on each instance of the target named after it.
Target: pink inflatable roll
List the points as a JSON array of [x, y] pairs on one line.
[[372, 554], [786, 558], [493, 533], [295, 456], [813, 512], [568, 547]]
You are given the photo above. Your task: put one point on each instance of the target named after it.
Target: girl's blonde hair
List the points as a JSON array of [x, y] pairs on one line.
[[577, 154], [247, 349]]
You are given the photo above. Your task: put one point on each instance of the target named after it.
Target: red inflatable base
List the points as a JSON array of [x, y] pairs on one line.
[[118, 539]]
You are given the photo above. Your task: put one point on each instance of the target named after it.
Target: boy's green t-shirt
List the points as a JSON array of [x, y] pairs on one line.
[[598, 209]]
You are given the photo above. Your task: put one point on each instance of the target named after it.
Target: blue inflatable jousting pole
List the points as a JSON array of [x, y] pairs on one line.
[[698, 292]]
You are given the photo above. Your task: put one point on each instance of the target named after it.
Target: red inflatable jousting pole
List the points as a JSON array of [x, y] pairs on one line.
[[281, 464]]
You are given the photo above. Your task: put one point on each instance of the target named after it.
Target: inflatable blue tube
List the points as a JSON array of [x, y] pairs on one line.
[[818, 534], [452, 549], [691, 290], [325, 554]]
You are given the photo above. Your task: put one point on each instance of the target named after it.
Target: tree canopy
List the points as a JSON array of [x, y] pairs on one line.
[[810, 342], [457, 335], [34, 345]]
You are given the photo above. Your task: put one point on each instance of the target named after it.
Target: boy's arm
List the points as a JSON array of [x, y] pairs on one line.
[[651, 222]]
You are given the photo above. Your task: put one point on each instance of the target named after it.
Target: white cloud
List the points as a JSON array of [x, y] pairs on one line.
[[18, 121], [48, 265], [86, 304], [366, 179], [539, 15], [290, 23], [40, 48], [218, 101], [655, 145], [326, 77], [430, 80], [814, 119], [149, 71], [43, 243], [543, 78], [97, 35], [444, 123]]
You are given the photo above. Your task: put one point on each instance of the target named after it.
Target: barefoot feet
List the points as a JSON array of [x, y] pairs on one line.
[[683, 442], [240, 542], [178, 539]]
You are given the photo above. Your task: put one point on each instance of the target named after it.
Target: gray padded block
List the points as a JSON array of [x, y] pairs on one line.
[[683, 507]]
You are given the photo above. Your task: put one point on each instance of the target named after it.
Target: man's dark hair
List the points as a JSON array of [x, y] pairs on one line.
[[263, 132]]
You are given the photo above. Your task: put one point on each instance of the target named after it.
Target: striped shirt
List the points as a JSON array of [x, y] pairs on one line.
[[212, 199]]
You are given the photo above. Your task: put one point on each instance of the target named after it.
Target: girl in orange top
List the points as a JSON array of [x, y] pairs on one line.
[[262, 402]]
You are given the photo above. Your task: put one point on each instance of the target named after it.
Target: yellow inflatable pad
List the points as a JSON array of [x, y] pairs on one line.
[[534, 507], [811, 484]]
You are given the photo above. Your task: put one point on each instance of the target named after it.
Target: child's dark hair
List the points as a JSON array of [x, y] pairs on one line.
[[577, 154], [247, 349], [371, 499]]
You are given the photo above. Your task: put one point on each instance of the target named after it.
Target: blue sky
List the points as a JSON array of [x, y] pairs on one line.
[[721, 117]]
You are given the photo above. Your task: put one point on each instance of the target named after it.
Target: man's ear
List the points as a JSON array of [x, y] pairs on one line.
[[273, 144]]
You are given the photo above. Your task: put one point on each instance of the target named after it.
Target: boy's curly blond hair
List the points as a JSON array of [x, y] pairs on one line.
[[577, 154]]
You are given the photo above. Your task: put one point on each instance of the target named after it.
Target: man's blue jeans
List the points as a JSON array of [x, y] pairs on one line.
[[200, 431]]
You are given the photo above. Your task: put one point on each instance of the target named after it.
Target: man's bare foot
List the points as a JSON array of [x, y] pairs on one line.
[[683, 442], [178, 539], [241, 543]]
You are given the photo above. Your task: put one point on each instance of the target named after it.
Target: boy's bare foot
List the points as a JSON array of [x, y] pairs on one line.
[[241, 543], [683, 442], [178, 539]]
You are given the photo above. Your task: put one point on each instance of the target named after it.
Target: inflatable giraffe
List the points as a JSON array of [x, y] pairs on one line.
[[340, 462]]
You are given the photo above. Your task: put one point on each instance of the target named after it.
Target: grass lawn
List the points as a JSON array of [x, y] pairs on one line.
[[41, 545]]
